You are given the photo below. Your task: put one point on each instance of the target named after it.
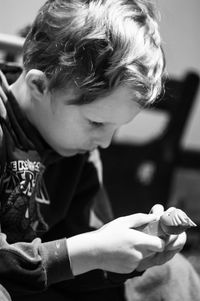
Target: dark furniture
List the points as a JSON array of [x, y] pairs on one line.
[[138, 176]]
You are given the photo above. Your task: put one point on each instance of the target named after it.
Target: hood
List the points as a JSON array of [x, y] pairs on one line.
[[23, 133]]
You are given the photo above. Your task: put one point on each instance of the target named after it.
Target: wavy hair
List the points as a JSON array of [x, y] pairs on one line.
[[98, 45]]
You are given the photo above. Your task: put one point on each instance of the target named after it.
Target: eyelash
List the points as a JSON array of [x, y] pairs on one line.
[[96, 124]]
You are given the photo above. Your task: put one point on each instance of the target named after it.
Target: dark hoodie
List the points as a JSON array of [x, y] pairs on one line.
[[44, 199]]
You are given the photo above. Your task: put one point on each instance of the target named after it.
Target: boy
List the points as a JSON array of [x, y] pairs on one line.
[[89, 67]]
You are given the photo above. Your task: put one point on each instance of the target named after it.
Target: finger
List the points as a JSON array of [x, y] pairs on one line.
[[139, 219], [148, 242], [163, 257], [157, 259], [170, 239], [157, 209], [178, 243]]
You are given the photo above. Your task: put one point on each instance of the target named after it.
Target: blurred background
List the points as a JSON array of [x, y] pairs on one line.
[[156, 158]]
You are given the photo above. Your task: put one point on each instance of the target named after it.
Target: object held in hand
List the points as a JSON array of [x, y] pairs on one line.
[[171, 222]]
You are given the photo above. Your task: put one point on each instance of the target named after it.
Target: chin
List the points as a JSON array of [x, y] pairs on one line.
[[66, 153], [70, 153]]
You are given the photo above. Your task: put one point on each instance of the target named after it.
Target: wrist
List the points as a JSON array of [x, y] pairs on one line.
[[83, 254]]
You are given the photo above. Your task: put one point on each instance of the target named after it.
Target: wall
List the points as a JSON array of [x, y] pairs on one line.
[[180, 31], [15, 14], [180, 26]]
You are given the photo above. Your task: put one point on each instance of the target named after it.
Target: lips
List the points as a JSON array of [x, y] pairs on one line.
[[82, 151]]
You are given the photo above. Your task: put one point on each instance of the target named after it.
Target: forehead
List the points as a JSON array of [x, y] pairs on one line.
[[117, 107]]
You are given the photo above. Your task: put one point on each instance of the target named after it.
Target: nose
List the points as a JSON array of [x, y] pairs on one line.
[[105, 144], [106, 140]]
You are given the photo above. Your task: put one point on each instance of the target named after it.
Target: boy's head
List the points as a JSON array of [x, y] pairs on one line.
[[98, 60], [97, 46]]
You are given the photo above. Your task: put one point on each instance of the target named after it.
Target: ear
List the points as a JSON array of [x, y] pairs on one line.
[[37, 82]]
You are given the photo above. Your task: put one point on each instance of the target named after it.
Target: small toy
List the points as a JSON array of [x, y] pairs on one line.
[[174, 221]]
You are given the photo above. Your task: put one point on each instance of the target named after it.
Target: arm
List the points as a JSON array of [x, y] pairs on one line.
[[127, 242], [31, 267], [116, 247], [100, 249], [27, 266]]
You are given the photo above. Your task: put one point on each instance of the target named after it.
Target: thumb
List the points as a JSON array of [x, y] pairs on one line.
[[157, 209], [139, 219]]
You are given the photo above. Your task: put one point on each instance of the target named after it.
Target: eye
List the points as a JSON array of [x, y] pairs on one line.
[[96, 123]]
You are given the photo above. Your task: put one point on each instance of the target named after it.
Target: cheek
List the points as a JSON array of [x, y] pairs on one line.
[[71, 125]]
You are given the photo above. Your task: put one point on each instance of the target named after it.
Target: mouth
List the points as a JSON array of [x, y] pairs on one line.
[[81, 151]]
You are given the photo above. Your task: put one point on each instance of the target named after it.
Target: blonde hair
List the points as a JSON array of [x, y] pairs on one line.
[[98, 45]]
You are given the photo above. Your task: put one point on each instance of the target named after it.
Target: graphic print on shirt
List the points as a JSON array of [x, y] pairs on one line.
[[22, 189]]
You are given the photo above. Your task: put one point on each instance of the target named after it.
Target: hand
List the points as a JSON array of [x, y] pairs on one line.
[[121, 248], [116, 247], [173, 245]]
